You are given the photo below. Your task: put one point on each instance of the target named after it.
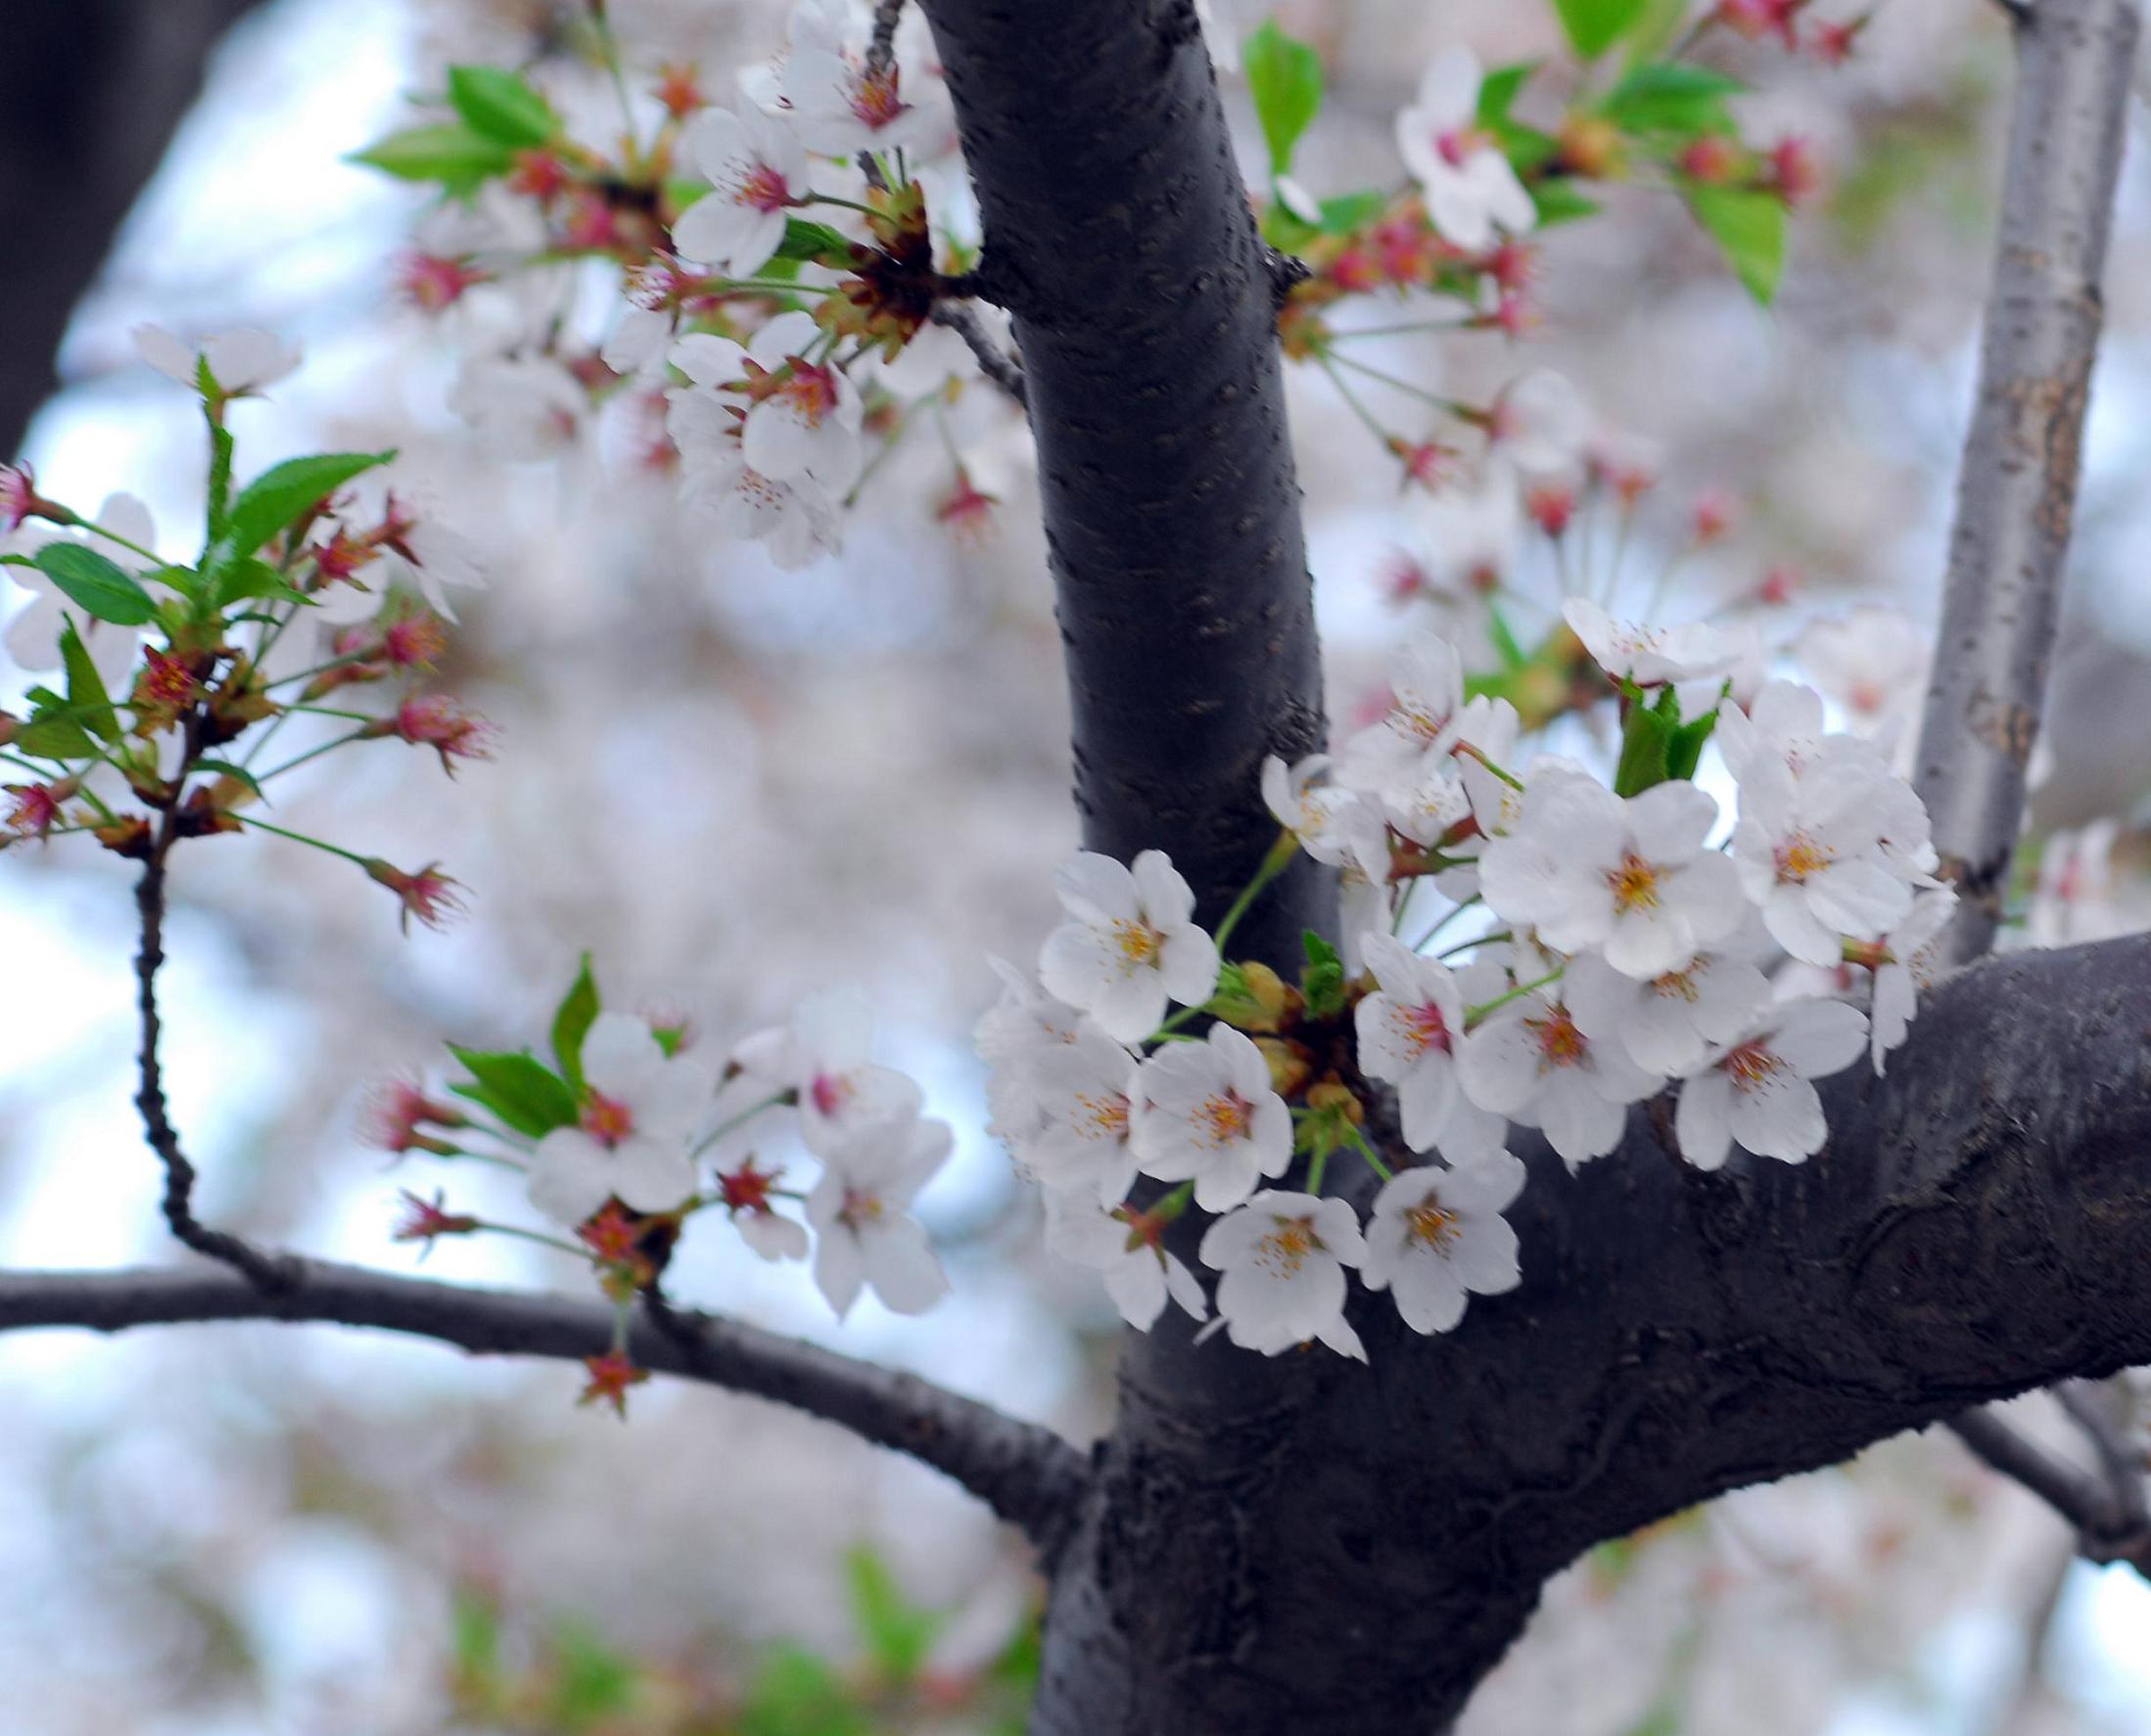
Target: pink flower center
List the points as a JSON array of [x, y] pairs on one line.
[[1423, 1028], [877, 99], [811, 391], [1749, 1065], [1454, 145], [1560, 1043], [762, 188], [607, 1119], [830, 1092]]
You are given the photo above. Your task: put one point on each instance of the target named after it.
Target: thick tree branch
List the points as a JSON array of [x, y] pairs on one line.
[[2017, 487], [1027, 1474]]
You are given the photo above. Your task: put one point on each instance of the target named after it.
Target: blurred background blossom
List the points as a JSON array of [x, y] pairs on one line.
[[734, 785]]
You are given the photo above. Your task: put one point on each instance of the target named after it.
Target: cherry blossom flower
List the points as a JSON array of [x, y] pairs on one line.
[[240, 362], [1649, 656], [803, 416], [1128, 944], [795, 521], [824, 1059], [523, 407], [1437, 1238], [840, 104], [2075, 897], [1205, 1111], [1409, 1030], [865, 1235], [1283, 1259], [1910, 954], [1784, 719], [397, 1113], [438, 722], [1668, 1022], [1588, 869], [429, 895], [1540, 423], [428, 1220], [1423, 725], [630, 1139], [1012, 1037], [1085, 1090], [1533, 1062], [1332, 825], [610, 1377], [1809, 852], [1472, 191], [1874, 662], [745, 1191], [1141, 1275], [757, 168], [1756, 1090]]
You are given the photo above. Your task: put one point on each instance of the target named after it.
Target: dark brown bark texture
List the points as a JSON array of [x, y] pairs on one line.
[[1301, 1545], [90, 92]]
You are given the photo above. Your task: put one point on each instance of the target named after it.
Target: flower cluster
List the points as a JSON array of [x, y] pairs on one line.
[[627, 1133], [775, 270], [1608, 940], [177, 675]]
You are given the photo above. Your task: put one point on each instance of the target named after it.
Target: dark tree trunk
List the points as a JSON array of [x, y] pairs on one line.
[[91, 93]]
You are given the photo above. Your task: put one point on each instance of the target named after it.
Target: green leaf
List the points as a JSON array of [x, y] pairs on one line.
[[1285, 79], [498, 105], [1750, 225], [1560, 201], [54, 731], [527, 1095], [572, 1022], [277, 497], [1349, 210], [225, 769], [795, 1694], [1321, 982], [107, 590], [1672, 97], [1595, 25], [591, 1679], [86, 686], [1685, 747], [813, 241], [256, 578], [459, 158], [1525, 147], [1498, 90], [897, 1631], [1645, 741], [1511, 653]]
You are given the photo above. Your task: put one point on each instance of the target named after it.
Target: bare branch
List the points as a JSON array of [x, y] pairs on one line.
[[2016, 485], [881, 45], [264, 1271], [2108, 1528], [996, 364], [1028, 1474]]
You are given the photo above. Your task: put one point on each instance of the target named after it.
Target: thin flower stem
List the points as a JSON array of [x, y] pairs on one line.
[[609, 50], [1507, 777], [330, 711], [312, 753], [306, 675], [133, 547], [1477, 940], [1367, 1151], [1317, 1166], [267, 735], [1397, 331], [301, 838], [847, 204], [1472, 1015], [1273, 864], [731, 1121], [1381, 434], [464, 1151], [538, 1235], [1419, 945], [1165, 1031], [1455, 406]]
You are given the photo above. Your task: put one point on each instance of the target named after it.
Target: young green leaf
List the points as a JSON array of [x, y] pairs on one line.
[[86, 695], [1685, 746], [1750, 225], [1497, 91], [1285, 79], [527, 1095], [813, 241], [1673, 98], [1559, 201], [898, 1633], [1321, 982], [498, 105], [238, 774], [461, 159], [571, 1023], [1595, 25], [107, 590], [256, 578], [276, 499], [53, 732], [1646, 740]]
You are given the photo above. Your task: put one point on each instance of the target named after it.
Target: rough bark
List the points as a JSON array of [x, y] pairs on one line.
[[2017, 488], [91, 93]]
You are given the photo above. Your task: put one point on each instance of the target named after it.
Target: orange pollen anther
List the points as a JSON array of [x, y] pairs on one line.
[[1424, 1028], [606, 1120], [1560, 1044], [1749, 1065], [877, 98], [1431, 1223], [1286, 1249], [1634, 884], [1800, 857], [812, 391], [1102, 1117], [762, 188], [1227, 1118], [1139, 943], [1677, 982]]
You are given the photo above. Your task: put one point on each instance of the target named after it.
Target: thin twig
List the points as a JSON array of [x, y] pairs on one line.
[[2090, 1406], [2016, 485], [264, 1271], [1025, 1472], [881, 45], [2107, 1531], [996, 364]]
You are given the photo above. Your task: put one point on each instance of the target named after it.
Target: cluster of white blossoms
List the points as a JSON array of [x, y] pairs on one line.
[[656, 1132], [1605, 943]]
